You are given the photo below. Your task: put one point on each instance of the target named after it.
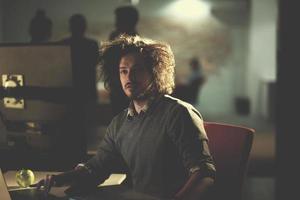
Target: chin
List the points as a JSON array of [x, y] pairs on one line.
[[132, 97], [128, 94]]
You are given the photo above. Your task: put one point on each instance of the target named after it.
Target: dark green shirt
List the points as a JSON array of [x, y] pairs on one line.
[[160, 147]]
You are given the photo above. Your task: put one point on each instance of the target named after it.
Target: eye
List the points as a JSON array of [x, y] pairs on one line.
[[123, 71]]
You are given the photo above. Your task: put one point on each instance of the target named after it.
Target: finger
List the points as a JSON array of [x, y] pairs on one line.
[[48, 184], [46, 188], [40, 184], [33, 185]]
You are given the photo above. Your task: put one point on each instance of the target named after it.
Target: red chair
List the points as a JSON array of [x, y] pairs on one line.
[[230, 146]]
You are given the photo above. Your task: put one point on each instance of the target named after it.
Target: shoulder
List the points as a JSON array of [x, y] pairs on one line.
[[90, 42], [113, 35], [176, 106], [185, 117]]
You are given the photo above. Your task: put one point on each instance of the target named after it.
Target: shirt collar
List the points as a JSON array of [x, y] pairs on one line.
[[132, 112]]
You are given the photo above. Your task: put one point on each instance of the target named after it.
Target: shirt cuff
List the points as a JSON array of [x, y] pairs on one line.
[[194, 169], [84, 166], [206, 170]]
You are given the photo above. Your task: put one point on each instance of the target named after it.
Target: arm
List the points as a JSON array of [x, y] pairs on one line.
[[105, 161], [188, 134], [79, 174], [89, 174], [199, 183]]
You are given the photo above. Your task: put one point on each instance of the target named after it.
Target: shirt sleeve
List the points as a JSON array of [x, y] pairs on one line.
[[186, 129], [107, 157]]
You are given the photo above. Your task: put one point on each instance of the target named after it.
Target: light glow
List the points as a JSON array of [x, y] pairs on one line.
[[135, 2], [188, 9]]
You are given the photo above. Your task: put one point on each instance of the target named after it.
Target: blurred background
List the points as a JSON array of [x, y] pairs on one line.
[[232, 42]]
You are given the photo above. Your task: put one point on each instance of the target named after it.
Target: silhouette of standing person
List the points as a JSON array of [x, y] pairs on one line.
[[190, 89], [196, 80], [126, 19], [84, 55], [40, 27]]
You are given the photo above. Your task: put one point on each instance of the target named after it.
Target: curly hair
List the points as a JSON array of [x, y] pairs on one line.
[[158, 57]]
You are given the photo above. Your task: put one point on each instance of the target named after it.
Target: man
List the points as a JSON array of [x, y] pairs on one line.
[[85, 55], [190, 89], [160, 139], [40, 28], [126, 19]]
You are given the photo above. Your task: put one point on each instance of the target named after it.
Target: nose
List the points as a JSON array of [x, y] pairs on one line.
[[132, 75]]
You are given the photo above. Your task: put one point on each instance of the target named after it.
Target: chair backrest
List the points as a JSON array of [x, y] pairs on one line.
[[230, 147]]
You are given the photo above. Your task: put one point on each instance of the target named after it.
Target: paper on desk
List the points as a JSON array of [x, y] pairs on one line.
[[114, 179]]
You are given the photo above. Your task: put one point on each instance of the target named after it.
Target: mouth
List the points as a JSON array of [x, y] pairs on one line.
[[129, 85]]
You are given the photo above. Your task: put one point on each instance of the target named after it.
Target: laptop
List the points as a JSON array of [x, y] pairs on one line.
[[25, 194], [4, 194]]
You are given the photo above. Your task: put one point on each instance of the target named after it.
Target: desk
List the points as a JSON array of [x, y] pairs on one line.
[[118, 192], [104, 193], [111, 189]]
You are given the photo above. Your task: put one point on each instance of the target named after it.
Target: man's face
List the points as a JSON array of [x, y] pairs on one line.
[[134, 76]]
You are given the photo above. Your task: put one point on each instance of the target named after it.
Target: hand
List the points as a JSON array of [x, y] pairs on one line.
[[195, 188], [79, 175], [45, 184]]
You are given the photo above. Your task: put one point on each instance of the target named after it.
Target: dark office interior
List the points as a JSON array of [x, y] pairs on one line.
[[246, 51]]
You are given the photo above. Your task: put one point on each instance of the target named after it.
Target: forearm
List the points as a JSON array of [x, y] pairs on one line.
[[202, 190], [195, 188], [77, 176]]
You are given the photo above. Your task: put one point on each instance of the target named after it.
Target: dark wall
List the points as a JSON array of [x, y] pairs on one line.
[[287, 120]]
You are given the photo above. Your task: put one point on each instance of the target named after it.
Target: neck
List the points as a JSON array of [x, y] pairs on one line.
[[139, 104]]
